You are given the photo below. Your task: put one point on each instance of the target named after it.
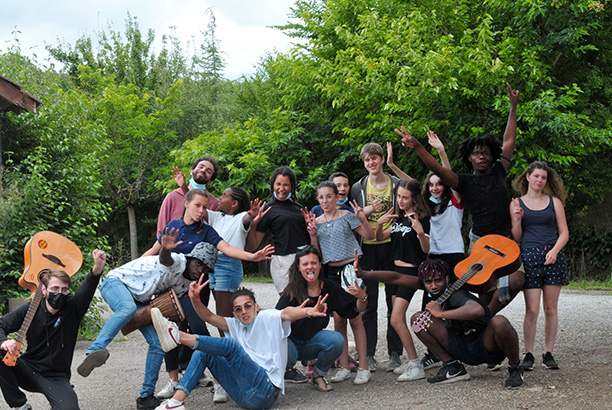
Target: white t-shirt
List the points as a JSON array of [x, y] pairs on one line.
[[445, 230], [146, 276], [229, 227], [265, 342]]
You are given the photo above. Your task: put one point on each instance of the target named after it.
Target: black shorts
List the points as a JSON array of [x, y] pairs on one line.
[[402, 291], [471, 351]]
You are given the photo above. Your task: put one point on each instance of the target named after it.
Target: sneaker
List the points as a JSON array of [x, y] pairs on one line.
[[548, 361], [394, 362], [402, 368], [168, 390], [205, 381], [341, 375], [412, 373], [219, 395], [26, 406], [494, 366], [371, 363], [528, 361], [147, 403], [449, 373], [167, 331], [430, 360], [515, 376], [94, 359], [294, 376], [363, 376], [167, 406]]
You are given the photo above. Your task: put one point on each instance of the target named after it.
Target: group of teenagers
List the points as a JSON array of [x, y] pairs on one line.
[[325, 262]]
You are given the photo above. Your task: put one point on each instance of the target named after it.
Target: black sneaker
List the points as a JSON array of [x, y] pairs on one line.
[[294, 376], [528, 361], [430, 360], [147, 403], [450, 372], [515, 376], [494, 366], [548, 361]]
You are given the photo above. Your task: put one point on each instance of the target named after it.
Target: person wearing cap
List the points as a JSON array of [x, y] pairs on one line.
[[133, 285]]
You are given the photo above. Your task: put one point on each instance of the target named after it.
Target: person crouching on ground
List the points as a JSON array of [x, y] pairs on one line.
[[249, 362]]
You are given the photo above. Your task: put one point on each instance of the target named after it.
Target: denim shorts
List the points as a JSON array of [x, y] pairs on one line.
[[227, 274]]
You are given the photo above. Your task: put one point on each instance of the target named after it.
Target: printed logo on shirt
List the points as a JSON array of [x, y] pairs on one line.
[[397, 227]]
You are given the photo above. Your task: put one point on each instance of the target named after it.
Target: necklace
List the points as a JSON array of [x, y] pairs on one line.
[[329, 221]]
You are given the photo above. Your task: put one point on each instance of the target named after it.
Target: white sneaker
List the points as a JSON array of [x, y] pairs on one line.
[[219, 396], [341, 375], [363, 376], [402, 368], [412, 373], [167, 331], [205, 380], [168, 390], [166, 406]]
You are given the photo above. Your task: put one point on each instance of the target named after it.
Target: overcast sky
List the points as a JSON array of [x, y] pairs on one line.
[[241, 24]]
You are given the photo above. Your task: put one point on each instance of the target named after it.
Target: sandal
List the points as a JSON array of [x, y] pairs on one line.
[[315, 384]]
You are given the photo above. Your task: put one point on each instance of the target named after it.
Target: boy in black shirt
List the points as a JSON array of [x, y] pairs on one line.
[[462, 329]]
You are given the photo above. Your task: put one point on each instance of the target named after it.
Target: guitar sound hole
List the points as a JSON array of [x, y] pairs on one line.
[[477, 267]]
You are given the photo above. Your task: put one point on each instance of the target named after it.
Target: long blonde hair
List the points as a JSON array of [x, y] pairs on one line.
[[554, 184]]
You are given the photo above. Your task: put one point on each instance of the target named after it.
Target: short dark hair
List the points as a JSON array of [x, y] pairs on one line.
[[432, 267], [328, 184], [212, 161], [240, 195], [486, 140], [46, 275], [336, 175], [243, 292]]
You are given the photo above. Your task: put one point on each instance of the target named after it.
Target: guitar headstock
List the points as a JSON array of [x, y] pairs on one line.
[[11, 359], [422, 322]]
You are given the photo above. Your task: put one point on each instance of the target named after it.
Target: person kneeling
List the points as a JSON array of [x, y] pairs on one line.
[[463, 329], [249, 363]]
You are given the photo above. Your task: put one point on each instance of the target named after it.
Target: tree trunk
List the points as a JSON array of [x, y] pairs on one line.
[[133, 231]]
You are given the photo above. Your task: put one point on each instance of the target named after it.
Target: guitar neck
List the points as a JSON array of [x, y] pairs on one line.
[[27, 321], [456, 285]]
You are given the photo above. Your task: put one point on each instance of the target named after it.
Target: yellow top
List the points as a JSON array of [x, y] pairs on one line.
[[385, 196]]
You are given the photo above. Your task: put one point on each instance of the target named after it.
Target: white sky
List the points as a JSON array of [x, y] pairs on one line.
[[242, 25]]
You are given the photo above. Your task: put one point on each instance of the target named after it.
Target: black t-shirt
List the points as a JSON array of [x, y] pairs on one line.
[[286, 223], [488, 200], [405, 242], [339, 301], [468, 329]]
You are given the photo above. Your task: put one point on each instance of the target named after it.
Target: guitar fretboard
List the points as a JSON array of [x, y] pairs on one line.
[[23, 330]]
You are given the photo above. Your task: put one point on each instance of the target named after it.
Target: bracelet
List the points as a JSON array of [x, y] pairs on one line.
[[443, 157]]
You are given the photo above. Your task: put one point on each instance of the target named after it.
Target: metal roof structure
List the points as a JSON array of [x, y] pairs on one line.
[[14, 98]]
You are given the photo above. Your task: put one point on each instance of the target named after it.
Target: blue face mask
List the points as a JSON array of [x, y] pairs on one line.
[[196, 185], [275, 197], [435, 200], [246, 326], [342, 202]]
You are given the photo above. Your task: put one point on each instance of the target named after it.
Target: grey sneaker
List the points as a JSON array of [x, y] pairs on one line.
[[412, 373], [401, 369], [168, 390], [394, 362], [371, 363], [341, 375], [363, 376], [94, 359], [219, 395]]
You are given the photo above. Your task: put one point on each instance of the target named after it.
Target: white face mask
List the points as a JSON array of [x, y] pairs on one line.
[[196, 185]]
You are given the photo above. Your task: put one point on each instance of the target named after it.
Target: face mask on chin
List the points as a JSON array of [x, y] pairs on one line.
[[344, 201], [56, 300], [276, 197], [196, 185], [435, 200]]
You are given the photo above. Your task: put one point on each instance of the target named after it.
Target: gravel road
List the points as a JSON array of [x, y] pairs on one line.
[[584, 380]]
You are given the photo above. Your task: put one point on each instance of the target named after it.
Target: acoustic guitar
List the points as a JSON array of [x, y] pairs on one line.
[[492, 256], [44, 251]]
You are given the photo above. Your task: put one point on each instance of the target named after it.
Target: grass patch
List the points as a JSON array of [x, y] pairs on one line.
[[254, 277], [583, 284]]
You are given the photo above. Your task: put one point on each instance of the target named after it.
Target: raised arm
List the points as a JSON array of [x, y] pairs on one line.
[[448, 176], [168, 243], [435, 142], [178, 176], [203, 312], [292, 313], [237, 253], [510, 132], [381, 233], [400, 174], [365, 230], [255, 237], [516, 216]]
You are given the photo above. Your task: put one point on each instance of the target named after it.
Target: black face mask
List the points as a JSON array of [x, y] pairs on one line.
[[57, 300]]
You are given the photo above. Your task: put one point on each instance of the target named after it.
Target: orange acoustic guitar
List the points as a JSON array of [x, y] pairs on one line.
[[492, 256], [44, 251]]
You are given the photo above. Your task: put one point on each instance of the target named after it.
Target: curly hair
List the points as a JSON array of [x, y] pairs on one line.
[[418, 203], [240, 195], [297, 288], [286, 172], [213, 162], [430, 268], [554, 184], [436, 209], [487, 140]]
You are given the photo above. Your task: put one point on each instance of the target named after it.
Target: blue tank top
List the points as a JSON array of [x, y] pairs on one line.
[[539, 227]]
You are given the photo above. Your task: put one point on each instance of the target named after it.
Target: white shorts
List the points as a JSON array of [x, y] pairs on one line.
[[279, 270]]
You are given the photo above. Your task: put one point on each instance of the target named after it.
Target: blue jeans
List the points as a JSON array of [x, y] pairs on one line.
[[121, 301], [326, 346], [245, 381]]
